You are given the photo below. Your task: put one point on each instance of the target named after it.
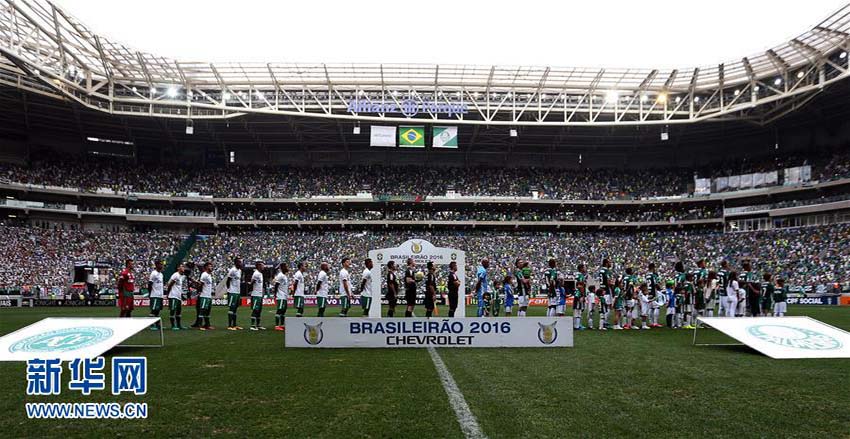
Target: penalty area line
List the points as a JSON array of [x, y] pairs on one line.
[[468, 423]]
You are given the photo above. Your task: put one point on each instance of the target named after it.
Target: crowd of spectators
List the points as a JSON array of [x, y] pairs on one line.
[[804, 256], [43, 257], [792, 203], [668, 214], [289, 182], [93, 174]]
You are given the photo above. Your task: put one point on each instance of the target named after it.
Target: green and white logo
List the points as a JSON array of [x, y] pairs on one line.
[[63, 340], [793, 337], [445, 137]]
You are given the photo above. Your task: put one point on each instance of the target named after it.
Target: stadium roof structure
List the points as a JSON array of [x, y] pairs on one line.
[[47, 51]]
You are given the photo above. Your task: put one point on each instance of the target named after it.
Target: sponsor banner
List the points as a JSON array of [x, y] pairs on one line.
[[734, 182], [381, 136], [532, 301], [73, 302], [544, 301], [10, 302], [823, 300], [396, 198], [409, 107], [445, 137], [143, 302], [845, 301], [785, 337], [412, 137], [425, 332], [702, 186], [771, 178], [67, 339]]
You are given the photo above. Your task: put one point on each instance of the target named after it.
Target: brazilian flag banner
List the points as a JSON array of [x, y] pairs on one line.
[[411, 136]]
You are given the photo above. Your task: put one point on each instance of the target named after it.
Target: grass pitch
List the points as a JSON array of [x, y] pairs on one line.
[[613, 384]]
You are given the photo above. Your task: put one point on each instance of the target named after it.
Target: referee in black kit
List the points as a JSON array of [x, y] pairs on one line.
[[454, 285], [410, 287]]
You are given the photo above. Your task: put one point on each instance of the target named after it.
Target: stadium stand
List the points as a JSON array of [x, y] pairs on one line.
[[91, 174], [43, 257]]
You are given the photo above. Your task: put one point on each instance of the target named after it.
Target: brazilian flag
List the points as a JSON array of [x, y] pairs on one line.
[[410, 136]]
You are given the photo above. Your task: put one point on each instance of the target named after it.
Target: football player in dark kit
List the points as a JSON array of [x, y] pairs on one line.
[[392, 288], [749, 281], [410, 287], [454, 285]]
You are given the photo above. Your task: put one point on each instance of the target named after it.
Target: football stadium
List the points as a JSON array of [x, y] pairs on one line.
[[331, 248]]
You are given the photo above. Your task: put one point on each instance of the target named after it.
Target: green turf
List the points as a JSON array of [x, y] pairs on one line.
[[614, 384]]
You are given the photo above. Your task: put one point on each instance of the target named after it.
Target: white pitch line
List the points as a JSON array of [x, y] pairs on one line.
[[468, 423]]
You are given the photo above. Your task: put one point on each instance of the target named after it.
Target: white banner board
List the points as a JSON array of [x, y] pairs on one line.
[[382, 136], [785, 337], [421, 252], [466, 332], [702, 186], [70, 338]]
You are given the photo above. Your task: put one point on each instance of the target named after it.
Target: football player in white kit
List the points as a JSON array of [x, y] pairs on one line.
[[322, 288], [780, 298], [590, 305], [643, 304], [365, 289], [257, 295], [731, 298], [281, 291], [155, 293], [344, 292], [205, 298], [298, 287], [234, 291], [658, 302], [175, 297]]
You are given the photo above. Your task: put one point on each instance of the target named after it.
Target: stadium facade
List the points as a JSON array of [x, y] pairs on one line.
[[757, 143]]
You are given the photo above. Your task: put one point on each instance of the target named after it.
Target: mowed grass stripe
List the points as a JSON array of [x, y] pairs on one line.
[[464, 415]]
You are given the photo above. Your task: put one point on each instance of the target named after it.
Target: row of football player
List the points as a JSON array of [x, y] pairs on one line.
[[690, 295], [281, 288], [632, 299]]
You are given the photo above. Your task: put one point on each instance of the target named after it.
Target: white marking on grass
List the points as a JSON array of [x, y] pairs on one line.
[[468, 423]]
